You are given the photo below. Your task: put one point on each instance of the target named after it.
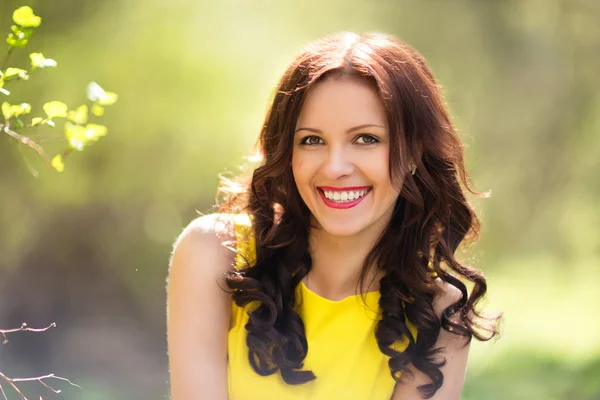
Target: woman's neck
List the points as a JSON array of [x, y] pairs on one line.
[[337, 263]]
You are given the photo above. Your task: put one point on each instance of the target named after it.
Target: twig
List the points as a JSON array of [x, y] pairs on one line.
[[5, 62], [3, 394], [15, 388], [57, 391], [30, 167], [28, 142], [49, 376], [24, 327], [40, 379]]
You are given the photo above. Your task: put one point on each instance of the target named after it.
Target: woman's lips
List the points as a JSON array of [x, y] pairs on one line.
[[343, 204]]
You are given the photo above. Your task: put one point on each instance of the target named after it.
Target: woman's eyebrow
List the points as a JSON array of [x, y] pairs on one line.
[[355, 128]]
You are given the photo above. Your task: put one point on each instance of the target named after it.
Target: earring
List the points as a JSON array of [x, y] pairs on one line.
[[413, 168]]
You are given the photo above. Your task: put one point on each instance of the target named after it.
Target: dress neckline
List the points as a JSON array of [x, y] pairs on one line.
[[372, 295]]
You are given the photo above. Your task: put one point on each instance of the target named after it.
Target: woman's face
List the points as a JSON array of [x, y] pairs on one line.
[[340, 158]]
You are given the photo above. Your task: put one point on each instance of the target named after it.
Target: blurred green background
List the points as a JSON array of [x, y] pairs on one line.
[[88, 248]]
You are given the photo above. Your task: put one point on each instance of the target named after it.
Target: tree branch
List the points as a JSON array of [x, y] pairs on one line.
[[48, 376], [3, 394], [5, 63], [24, 328], [11, 384], [30, 167], [28, 142], [11, 381]]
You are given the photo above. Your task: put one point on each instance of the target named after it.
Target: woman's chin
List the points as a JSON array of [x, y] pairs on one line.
[[341, 228]]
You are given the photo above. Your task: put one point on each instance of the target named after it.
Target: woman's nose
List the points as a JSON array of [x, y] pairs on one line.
[[338, 164]]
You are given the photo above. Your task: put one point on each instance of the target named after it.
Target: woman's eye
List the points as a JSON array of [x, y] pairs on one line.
[[366, 139], [311, 140]]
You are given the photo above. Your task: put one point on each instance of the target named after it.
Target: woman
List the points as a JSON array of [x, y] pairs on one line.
[[343, 283]]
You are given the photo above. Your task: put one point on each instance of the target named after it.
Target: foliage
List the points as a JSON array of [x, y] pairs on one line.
[[78, 131]]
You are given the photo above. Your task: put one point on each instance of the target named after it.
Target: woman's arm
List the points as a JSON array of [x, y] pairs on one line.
[[198, 313], [456, 354]]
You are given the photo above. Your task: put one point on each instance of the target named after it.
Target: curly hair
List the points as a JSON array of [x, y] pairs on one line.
[[431, 216]]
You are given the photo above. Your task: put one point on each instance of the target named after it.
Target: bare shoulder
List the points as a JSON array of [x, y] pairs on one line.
[[198, 308], [208, 229], [200, 258], [208, 235]]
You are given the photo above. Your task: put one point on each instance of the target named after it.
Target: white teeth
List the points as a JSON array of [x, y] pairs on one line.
[[344, 196]]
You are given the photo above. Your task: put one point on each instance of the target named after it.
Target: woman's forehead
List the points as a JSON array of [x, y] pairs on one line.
[[342, 102]]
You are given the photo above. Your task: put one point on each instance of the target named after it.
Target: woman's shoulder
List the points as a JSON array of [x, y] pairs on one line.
[[220, 226], [206, 234], [213, 231]]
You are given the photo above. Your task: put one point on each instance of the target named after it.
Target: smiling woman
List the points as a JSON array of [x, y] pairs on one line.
[[343, 276]]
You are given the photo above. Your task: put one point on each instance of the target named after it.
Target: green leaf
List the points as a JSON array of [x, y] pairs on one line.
[[14, 42], [6, 110], [19, 36], [25, 17], [19, 123], [54, 109], [94, 91], [36, 59], [10, 111], [39, 61], [36, 121], [95, 131], [97, 110], [79, 136], [108, 99], [75, 135], [48, 62], [79, 115], [26, 108], [58, 163], [15, 72], [100, 96], [4, 91]]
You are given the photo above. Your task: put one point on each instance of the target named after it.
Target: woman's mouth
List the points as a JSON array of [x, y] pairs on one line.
[[345, 197]]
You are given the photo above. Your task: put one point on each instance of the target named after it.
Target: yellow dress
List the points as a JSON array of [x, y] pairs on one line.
[[342, 349]]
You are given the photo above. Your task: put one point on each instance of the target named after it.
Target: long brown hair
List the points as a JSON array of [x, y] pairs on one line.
[[431, 216]]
